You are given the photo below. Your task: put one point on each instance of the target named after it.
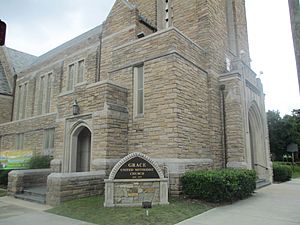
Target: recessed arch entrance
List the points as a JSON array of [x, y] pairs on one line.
[[80, 152], [257, 143]]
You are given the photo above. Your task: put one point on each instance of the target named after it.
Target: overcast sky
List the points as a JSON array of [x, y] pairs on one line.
[[37, 26]]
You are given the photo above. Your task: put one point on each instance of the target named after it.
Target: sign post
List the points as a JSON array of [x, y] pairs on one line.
[[292, 148], [2, 33]]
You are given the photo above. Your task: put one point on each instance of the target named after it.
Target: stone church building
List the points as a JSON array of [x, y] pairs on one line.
[[168, 78]]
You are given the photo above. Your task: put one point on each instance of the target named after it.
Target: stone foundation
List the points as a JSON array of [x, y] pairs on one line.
[[63, 187], [135, 192]]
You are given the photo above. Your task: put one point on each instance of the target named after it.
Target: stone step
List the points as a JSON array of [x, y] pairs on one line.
[[36, 191], [34, 194], [262, 183], [31, 198]]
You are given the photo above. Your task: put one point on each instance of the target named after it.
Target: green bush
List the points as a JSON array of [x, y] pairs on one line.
[[4, 177], [40, 162], [219, 185], [282, 173]]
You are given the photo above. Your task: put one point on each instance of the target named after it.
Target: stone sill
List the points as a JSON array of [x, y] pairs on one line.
[[29, 118]]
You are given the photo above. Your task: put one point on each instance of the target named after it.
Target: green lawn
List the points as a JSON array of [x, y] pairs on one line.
[[91, 210], [2, 192], [296, 172]]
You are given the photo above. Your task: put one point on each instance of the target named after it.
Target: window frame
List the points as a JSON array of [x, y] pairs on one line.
[[20, 139], [137, 90], [48, 141], [76, 75], [18, 107], [69, 86], [48, 93], [78, 72], [40, 93]]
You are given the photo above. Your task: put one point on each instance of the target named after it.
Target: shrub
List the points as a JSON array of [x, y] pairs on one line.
[[4, 177], [282, 173], [40, 162], [219, 185]]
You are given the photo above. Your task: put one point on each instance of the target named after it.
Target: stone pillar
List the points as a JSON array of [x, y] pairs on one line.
[[109, 193], [15, 182], [55, 165], [164, 192]]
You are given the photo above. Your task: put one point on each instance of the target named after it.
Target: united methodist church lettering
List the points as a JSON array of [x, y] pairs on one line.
[[137, 168]]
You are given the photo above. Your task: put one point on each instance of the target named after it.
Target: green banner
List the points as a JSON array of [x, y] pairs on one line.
[[15, 159]]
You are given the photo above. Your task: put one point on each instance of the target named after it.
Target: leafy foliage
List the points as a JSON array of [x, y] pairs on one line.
[[40, 162], [219, 185], [4, 177], [282, 173], [282, 132]]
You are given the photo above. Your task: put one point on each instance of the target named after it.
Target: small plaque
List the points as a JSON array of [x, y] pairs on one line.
[[292, 148], [137, 168]]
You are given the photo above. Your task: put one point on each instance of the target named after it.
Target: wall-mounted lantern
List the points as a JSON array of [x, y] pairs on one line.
[[75, 108], [2, 33]]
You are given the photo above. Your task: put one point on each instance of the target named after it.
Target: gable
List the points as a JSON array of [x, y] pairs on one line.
[[122, 15], [4, 86]]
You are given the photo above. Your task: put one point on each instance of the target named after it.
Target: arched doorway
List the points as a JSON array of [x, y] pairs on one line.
[[257, 144], [83, 151], [80, 150]]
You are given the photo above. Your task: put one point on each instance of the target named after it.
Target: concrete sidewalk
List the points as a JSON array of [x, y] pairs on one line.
[[19, 212], [278, 204]]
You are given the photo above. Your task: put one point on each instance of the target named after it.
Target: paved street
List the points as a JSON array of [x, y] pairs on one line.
[[278, 204]]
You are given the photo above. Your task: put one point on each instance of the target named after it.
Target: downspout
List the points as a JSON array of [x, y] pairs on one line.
[[222, 89], [14, 96]]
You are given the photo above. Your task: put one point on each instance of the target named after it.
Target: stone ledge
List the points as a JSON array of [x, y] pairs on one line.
[[63, 187], [20, 179]]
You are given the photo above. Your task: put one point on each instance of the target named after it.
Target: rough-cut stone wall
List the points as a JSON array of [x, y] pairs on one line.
[[104, 106], [18, 180], [157, 133], [242, 31], [6, 99], [235, 119], [190, 17], [135, 193], [119, 28], [68, 186], [7, 67], [6, 108], [193, 127], [33, 130], [146, 9]]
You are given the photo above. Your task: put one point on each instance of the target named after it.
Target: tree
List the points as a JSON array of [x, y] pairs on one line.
[[275, 126], [283, 131]]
